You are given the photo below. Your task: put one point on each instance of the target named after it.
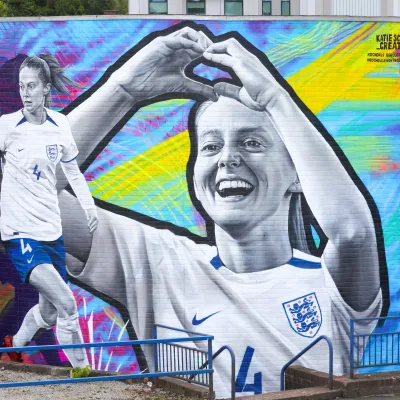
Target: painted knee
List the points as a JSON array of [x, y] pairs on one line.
[[40, 321], [69, 324], [67, 306]]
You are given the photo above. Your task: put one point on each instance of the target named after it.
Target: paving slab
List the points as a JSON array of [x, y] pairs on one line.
[[129, 389], [381, 397], [315, 393]]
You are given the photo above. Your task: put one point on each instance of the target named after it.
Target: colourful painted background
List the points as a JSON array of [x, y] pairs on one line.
[[143, 167]]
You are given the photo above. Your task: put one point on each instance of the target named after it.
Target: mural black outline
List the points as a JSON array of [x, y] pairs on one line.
[[234, 79], [383, 271]]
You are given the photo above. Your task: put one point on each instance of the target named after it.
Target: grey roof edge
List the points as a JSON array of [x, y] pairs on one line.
[[199, 18]]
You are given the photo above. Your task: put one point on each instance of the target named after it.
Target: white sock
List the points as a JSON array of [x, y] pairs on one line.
[[32, 322], [69, 332]]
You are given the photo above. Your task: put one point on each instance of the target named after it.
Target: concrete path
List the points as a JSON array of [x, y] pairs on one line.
[[381, 397]]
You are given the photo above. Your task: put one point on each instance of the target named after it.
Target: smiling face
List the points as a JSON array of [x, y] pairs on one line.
[[243, 170], [32, 90]]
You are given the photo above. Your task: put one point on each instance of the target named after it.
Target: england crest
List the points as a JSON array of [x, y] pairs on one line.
[[52, 152], [304, 315]]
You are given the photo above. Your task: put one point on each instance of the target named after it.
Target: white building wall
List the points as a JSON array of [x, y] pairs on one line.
[[366, 8], [396, 8], [311, 7], [214, 7], [252, 7], [303, 7], [138, 6], [299, 7], [176, 7], [307, 7], [133, 7]]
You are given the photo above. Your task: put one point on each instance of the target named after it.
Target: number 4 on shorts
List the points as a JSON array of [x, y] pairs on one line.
[[25, 248], [241, 385]]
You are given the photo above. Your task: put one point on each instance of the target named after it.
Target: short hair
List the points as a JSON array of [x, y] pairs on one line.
[[50, 71], [296, 225]]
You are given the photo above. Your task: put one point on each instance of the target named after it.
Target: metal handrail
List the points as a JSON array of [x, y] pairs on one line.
[[171, 328], [209, 371], [296, 357], [209, 362], [369, 346], [233, 362], [102, 344]]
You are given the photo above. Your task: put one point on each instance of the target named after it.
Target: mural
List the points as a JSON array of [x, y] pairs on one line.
[[245, 178], [34, 140]]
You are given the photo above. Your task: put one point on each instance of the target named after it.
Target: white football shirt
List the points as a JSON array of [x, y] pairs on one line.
[[267, 317], [29, 204]]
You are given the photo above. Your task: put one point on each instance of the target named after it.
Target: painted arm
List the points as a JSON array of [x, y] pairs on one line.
[[154, 70], [92, 120], [77, 238], [340, 208], [82, 192]]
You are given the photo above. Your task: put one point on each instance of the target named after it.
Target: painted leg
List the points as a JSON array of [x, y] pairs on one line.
[[32, 322], [50, 285], [69, 332]]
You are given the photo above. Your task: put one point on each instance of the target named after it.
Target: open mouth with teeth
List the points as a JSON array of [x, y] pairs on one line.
[[234, 188]]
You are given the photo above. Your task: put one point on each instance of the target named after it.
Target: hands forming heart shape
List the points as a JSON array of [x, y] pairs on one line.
[[159, 68]]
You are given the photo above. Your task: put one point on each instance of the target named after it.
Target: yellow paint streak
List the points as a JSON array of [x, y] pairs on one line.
[[385, 89], [286, 50], [155, 167], [341, 73], [114, 317]]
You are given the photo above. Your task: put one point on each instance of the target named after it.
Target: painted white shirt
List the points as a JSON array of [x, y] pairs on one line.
[[29, 204], [168, 279]]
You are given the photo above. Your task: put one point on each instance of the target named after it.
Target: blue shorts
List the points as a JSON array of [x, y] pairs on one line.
[[26, 254]]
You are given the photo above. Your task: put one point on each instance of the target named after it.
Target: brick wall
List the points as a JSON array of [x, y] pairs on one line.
[[203, 210]]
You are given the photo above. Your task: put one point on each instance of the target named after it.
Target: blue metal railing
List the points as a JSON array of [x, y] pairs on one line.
[[191, 371], [171, 356], [375, 349], [233, 373], [296, 357]]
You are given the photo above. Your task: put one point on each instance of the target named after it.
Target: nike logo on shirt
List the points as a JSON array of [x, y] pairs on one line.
[[19, 150], [30, 260], [196, 321]]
